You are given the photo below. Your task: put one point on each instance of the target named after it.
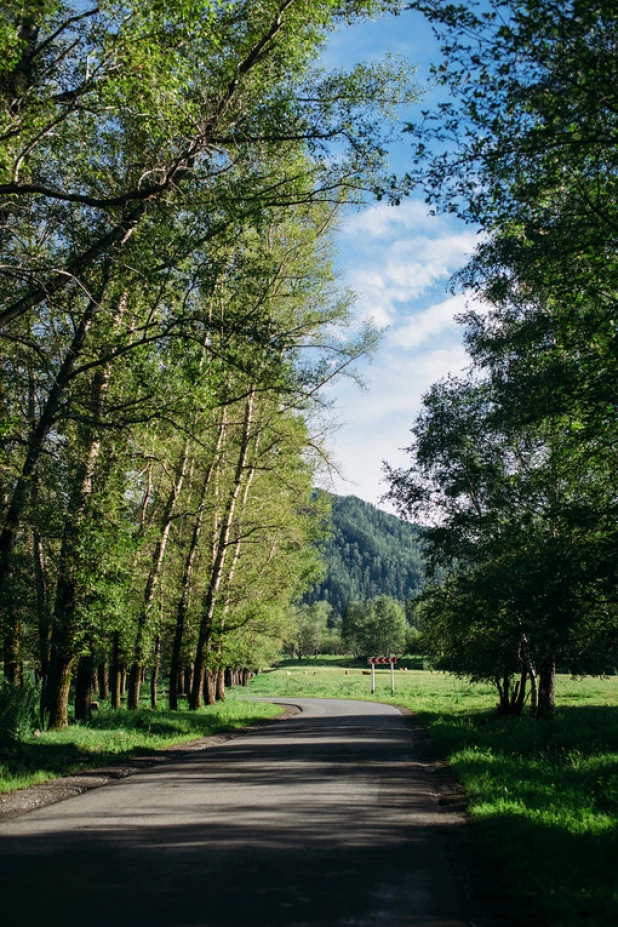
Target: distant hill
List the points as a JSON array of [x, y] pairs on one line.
[[370, 553]]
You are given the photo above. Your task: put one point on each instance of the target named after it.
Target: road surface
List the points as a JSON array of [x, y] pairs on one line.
[[324, 820]]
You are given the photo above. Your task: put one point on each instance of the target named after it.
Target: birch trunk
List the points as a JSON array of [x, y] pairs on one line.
[[187, 578], [216, 577], [83, 687], [547, 689], [154, 576], [37, 438], [64, 615]]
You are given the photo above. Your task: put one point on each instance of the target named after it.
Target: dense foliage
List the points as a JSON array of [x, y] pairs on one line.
[[171, 175], [514, 467], [369, 553]]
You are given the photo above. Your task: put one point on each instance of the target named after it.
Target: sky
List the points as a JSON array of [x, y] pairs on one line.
[[398, 261]]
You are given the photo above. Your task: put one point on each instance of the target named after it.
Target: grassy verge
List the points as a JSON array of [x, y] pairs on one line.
[[544, 796], [117, 735]]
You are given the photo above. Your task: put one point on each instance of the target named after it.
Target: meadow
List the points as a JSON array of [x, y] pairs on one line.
[[542, 796]]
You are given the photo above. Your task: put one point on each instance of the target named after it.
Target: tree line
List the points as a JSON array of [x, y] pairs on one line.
[[513, 465], [170, 178], [369, 627]]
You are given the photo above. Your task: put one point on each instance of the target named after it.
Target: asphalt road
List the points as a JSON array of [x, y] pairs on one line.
[[324, 819]]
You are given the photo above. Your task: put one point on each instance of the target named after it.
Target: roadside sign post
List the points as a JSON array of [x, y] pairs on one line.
[[382, 661]]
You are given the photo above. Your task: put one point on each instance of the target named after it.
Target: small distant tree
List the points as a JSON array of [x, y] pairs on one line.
[[354, 627], [389, 626], [310, 628], [377, 626]]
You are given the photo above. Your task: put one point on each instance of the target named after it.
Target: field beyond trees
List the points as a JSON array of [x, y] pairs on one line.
[[543, 797]]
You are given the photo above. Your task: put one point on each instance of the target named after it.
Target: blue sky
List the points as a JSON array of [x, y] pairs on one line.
[[398, 261]]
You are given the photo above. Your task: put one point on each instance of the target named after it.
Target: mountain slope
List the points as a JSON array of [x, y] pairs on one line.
[[370, 553]]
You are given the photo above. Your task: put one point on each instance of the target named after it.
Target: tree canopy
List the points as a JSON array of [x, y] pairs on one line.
[[171, 175], [514, 466]]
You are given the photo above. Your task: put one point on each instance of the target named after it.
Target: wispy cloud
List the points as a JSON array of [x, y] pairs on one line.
[[390, 272], [384, 221], [436, 320]]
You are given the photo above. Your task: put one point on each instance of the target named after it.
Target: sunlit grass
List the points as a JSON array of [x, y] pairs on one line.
[[118, 735], [543, 796]]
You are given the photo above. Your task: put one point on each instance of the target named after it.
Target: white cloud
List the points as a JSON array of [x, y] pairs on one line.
[[433, 321], [396, 274], [398, 262], [383, 221]]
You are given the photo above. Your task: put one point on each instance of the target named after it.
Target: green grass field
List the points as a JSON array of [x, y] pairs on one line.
[[543, 796], [115, 736]]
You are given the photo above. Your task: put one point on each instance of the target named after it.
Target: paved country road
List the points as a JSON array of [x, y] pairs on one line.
[[324, 820]]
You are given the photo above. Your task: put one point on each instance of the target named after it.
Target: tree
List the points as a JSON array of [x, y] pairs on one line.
[[527, 580], [310, 627], [169, 178], [375, 627]]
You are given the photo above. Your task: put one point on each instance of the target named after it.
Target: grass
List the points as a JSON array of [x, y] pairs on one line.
[[543, 796], [115, 736]]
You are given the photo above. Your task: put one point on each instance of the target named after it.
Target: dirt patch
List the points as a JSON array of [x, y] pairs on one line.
[[48, 793]]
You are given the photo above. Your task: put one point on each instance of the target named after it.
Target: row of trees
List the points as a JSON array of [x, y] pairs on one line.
[[170, 176], [377, 627], [514, 466]]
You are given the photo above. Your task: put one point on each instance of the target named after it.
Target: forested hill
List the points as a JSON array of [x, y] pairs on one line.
[[369, 553]]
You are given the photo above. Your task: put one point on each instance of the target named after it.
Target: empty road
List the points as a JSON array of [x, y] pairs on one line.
[[324, 819]]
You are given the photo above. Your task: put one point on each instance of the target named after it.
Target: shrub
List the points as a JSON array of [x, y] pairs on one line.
[[18, 711]]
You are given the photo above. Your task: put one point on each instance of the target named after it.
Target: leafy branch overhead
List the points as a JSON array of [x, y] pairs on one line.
[[170, 178]]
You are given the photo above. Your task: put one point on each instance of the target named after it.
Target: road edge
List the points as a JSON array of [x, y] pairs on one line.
[[52, 791]]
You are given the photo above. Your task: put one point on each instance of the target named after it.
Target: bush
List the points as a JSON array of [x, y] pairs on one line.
[[18, 712]]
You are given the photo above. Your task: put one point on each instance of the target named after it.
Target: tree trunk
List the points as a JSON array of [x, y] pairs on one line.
[[116, 672], [83, 688], [154, 576], [64, 615], [57, 688], [216, 576], [210, 687], [63, 621], [135, 684], [521, 696], [188, 679], [38, 436], [221, 685], [187, 578], [547, 689], [103, 671], [534, 707], [154, 679], [42, 597], [12, 670]]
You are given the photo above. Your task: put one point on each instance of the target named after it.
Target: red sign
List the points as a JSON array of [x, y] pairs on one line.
[[382, 661]]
